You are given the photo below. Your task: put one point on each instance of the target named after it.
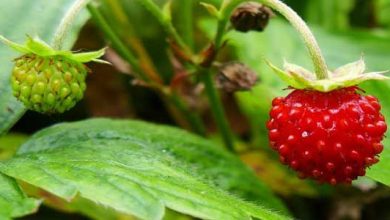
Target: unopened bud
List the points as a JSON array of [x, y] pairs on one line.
[[236, 76], [251, 16]]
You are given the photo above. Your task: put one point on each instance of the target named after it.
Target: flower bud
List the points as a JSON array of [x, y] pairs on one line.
[[251, 16], [236, 76]]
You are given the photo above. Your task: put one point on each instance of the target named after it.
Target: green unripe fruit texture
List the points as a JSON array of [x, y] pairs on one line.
[[52, 84]]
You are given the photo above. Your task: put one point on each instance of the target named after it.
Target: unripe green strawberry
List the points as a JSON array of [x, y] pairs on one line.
[[48, 80], [52, 84]]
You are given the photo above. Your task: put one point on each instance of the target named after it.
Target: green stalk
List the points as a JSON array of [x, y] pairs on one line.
[[193, 118], [220, 33], [66, 23], [186, 22], [227, 8], [165, 21], [145, 63], [217, 109], [206, 76], [116, 41], [321, 69]]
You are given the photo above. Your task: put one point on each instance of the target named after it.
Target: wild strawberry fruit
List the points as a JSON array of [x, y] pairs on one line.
[[48, 80], [326, 129], [328, 136], [52, 84]]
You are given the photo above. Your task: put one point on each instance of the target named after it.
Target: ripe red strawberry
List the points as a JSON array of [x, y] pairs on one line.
[[328, 136]]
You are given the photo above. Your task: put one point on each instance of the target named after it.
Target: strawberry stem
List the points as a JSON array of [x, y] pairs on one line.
[[165, 22], [216, 107], [321, 69], [66, 23], [193, 118]]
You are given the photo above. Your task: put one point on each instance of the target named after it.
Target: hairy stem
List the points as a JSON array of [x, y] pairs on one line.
[[66, 23], [321, 70]]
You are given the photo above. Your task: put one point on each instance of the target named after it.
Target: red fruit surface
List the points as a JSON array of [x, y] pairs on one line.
[[331, 137]]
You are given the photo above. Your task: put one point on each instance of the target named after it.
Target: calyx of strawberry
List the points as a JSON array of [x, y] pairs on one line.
[[40, 48], [345, 76]]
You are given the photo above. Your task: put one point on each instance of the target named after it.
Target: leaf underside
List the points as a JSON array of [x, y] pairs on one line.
[[140, 169], [13, 202]]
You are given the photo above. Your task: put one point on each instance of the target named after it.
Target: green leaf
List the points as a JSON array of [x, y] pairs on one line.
[[77, 205], [13, 202], [40, 18], [139, 168], [275, 46]]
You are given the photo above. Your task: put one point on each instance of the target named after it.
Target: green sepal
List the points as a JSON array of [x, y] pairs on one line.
[[348, 75], [15, 46], [90, 56], [39, 47], [167, 10], [211, 9]]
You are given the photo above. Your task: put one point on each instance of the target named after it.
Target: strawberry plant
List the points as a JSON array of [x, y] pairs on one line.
[[168, 109]]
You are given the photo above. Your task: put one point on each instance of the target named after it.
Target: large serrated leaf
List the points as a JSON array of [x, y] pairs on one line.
[[20, 18], [139, 168], [13, 202]]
